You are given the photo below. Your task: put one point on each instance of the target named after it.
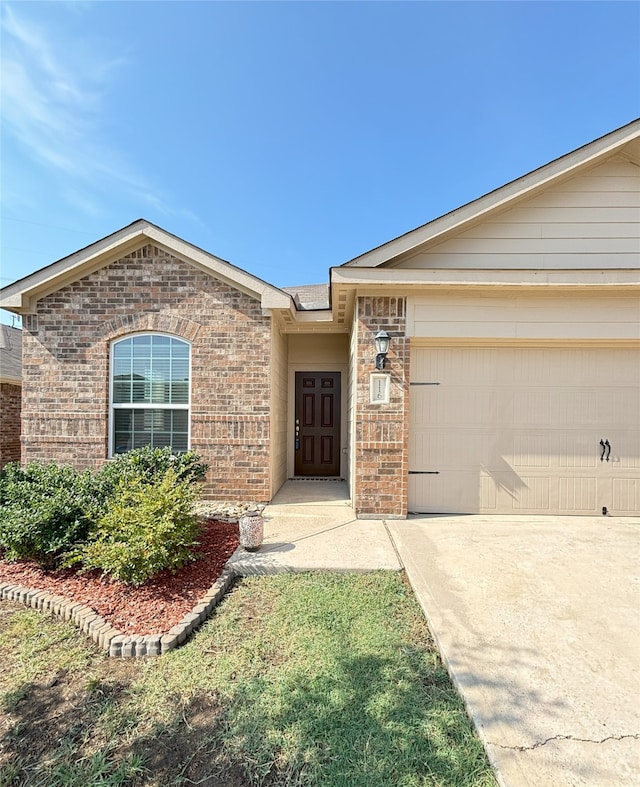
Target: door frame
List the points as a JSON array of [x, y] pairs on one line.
[[342, 369]]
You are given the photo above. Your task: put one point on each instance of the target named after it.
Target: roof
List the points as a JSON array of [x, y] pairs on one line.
[[21, 295], [310, 297], [10, 354], [625, 140]]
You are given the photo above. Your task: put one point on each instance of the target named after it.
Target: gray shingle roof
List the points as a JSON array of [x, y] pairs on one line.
[[10, 352], [309, 296]]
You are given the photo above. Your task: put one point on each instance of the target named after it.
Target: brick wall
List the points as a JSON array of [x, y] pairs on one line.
[[10, 397], [66, 366], [381, 430]]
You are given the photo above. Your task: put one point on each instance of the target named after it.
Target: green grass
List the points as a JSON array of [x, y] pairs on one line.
[[299, 679]]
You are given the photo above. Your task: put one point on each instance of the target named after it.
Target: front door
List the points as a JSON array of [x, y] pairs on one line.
[[317, 426]]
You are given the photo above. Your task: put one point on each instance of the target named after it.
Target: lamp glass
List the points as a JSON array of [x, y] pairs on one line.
[[382, 340]]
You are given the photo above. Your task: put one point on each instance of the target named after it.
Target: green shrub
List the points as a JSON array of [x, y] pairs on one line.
[[150, 464], [43, 510], [147, 527]]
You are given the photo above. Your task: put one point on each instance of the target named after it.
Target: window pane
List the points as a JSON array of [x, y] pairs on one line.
[[180, 421], [153, 427], [180, 350], [122, 431], [161, 343], [180, 392], [122, 350], [121, 366], [121, 391], [180, 442], [138, 391]]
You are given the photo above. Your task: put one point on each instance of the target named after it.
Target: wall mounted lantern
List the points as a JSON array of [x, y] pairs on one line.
[[382, 340]]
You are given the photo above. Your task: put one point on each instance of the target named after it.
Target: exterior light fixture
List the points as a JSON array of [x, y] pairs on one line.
[[382, 340]]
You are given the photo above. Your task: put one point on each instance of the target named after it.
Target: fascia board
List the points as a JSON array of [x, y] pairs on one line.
[[20, 295], [317, 315], [401, 278], [512, 192], [10, 380]]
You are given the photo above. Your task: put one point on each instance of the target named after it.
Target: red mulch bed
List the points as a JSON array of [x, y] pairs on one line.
[[154, 607]]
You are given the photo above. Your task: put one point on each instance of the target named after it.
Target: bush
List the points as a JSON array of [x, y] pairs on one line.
[[151, 465], [43, 510], [147, 527]]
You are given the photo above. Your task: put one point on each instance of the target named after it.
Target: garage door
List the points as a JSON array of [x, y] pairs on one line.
[[524, 430]]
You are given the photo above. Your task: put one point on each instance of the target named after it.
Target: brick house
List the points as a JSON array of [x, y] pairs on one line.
[[10, 393], [511, 382]]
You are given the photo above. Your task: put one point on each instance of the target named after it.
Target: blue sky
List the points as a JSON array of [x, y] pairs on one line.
[[288, 137]]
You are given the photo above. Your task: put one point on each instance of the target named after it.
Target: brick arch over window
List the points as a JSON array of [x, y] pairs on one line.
[[180, 327]]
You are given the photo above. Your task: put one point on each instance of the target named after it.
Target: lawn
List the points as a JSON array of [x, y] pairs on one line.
[[298, 679]]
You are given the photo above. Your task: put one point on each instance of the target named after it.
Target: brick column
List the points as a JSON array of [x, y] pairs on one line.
[[381, 430]]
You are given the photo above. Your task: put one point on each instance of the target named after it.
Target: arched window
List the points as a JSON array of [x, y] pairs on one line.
[[150, 393]]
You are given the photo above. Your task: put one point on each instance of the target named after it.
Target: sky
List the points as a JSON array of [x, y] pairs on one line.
[[289, 137]]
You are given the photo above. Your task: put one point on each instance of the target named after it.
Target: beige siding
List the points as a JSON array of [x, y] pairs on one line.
[[279, 394], [528, 315], [324, 349], [589, 221]]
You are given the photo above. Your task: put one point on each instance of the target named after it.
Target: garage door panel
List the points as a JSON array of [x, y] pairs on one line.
[[451, 493], [529, 450], [441, 449], [578, 450], [624, 451], [458, 404], [519, 430], [576, 494], [625, 495], [532, 408], [620, 409], [533, 494]]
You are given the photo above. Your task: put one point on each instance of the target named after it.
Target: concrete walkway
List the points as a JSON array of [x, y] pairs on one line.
[[311, 525], [538, 620]]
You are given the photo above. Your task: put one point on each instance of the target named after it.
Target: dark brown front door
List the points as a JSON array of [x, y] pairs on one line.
[[317, 427]]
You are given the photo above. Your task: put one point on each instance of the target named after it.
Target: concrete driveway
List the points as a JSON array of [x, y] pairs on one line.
[[538, 620]]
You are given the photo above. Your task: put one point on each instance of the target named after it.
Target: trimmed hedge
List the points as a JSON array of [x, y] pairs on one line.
[[43, 511], [138, 505]]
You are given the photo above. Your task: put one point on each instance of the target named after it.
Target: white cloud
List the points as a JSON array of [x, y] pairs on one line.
[[53, 96]]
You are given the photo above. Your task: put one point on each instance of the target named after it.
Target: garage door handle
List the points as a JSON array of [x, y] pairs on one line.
[[606, 449], [608, 444]]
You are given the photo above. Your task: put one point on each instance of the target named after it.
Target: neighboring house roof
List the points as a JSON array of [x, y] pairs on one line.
[[10, 355], [625, 141], [20, 296]]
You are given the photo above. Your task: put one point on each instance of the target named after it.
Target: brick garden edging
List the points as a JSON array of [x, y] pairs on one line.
[[111, 640]]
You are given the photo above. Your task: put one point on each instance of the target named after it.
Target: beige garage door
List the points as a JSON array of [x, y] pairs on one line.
[[524, 430]]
